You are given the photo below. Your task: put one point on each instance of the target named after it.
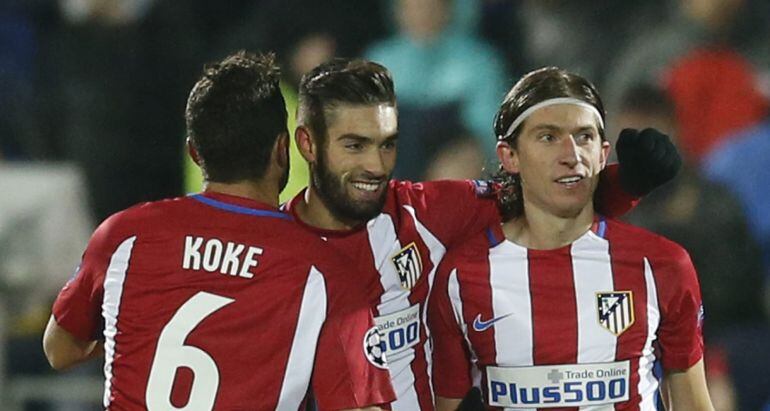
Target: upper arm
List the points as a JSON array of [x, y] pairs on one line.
[[348, 372], [76, 322], [63, 350], [453, 209], [679, 334], [687, 390], [451, 356]]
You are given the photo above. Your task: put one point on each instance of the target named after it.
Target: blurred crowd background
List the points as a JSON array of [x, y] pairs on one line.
[[92, 96]]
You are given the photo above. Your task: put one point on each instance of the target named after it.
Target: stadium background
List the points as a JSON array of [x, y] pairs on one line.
[[92, 96]]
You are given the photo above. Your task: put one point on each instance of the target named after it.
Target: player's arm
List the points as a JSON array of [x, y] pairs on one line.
[[680, 331], [451, 210], [687, 390], [74, 331], [647, 160], [447, 404], [63, 350], [349, 370], [451, 356]]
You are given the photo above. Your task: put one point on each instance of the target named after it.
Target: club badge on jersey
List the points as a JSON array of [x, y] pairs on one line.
[[408, 265], [616, 310]]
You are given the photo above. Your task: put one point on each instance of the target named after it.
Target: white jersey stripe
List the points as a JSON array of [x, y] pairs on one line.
[[648, 383], [509, 280], [382, 231], [453, 289], [592, 271], [299, 367], [114, 279], [437, 251]]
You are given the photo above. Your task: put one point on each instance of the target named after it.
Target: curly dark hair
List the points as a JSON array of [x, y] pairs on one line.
[[234, 115], [534, 87]]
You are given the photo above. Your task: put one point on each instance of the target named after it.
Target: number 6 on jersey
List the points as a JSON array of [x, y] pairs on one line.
[[172, 354]]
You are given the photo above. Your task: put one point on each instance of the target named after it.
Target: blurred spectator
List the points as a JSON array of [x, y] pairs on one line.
[[445, 79], [501, 25], [679, 26], [574, 35], [121, 70], [716, 93], [282, 25], [748, 358], [20, 135], [456, 159], [704, 218], [740, 164]]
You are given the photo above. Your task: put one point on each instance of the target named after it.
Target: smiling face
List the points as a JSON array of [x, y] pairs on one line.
[[558, 154], [353, 168]]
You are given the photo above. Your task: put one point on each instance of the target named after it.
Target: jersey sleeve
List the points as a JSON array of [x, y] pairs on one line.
[[680, 335], [452, 209], [77, 308], [611, 199], [350, 370], [451, 356]]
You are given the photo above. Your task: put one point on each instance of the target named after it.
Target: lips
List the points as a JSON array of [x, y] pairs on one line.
[[570, 180], [367, 186]]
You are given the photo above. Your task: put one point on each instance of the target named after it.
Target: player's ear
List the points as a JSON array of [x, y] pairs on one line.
[[193, 153], [281, 150], [306, 144], [508, 156], [605, 153]]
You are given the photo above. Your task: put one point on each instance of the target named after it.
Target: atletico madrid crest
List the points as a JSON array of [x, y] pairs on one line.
[[616, 310], [408, 265]]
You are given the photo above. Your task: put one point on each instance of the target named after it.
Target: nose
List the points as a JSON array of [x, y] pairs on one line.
[[570, 152], [374, 164]]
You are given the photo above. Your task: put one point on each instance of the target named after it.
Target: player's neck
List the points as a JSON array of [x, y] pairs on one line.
[[542, 230], [312, 210], [262, 191]]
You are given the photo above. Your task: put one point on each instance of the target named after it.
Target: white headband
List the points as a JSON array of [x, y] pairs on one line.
[[550, 102]]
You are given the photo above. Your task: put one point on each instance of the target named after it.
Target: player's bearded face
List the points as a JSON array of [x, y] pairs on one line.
[[351, 172], [559, 155]]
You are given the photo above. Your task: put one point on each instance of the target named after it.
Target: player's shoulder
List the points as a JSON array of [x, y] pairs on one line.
[[655, 247], [449, 190], [142, 216]]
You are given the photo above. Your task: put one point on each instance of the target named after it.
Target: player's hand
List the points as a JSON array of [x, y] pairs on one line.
[[648, 159]]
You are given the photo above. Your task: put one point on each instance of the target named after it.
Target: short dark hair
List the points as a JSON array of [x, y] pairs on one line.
[[535, 87], [234, 115], [341, 81]]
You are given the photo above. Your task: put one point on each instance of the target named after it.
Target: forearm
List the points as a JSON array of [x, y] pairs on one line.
[[686, 390], [447, 404]]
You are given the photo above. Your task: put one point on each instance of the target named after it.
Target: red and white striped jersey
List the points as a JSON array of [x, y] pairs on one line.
[[579, 327], [397, 254], [208, 302]]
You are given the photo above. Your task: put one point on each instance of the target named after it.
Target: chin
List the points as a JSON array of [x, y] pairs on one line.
[[569, 210]]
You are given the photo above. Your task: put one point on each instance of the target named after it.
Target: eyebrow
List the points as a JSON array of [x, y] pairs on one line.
[[354, 137], [361, 138], [553, 127]]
